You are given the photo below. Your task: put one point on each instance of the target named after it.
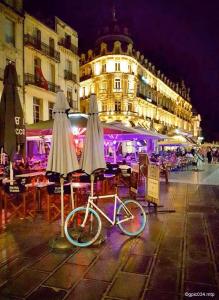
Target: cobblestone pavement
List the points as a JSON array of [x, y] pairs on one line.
[[177, 253]]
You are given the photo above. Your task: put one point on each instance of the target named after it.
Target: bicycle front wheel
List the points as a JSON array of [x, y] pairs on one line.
[[86, 235], [131, 217]]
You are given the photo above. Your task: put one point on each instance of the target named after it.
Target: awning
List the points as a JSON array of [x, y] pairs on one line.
[[176, 141], [112, 131], [45, 127]]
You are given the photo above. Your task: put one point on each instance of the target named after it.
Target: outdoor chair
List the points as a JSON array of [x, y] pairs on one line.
[[53, 201], [125, 177], [18, 202]]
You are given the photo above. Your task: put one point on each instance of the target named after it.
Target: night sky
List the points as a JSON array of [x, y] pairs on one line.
[[181, 38]]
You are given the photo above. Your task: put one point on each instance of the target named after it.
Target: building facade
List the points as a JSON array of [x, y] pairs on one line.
[[46, 59], [130, 90], [11, 40]]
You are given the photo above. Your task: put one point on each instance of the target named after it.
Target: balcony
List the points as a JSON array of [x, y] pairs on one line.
[[68, 75], [32, 79], [42, 47], [145, 97], [119, 112], [66, 44]]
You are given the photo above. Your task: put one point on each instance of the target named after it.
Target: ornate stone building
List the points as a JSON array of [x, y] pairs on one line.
[[130, 89], [45, 56]]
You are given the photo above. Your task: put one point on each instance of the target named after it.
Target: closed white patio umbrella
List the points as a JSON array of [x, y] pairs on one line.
[[62, 157], [93, 154]]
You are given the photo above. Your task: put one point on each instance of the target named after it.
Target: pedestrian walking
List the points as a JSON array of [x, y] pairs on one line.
[[209, 156]]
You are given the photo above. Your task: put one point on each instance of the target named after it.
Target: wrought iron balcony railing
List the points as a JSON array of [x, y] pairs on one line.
[[34, 80], [42, 47], [68, 75], [66, 44]]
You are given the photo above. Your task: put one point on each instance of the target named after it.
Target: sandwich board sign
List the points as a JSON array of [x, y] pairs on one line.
[[153, 184]]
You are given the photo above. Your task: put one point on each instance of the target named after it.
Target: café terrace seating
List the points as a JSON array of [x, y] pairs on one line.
[[18, 201]]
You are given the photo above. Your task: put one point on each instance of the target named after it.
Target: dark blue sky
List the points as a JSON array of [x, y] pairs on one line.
[[180, 37]]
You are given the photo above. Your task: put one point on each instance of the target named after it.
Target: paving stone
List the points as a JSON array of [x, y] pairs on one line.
[[37, 251], [66, 276], [23, 284], [175, 243], [200, 272], [157, 295], [45, 293], [138, 264], [118, 254], [103, 270], [84, 257], [49, 262], [10, 269], [127, 286], [88, 290], [144, 247], [165, 279], [168, 258], [198, 256]]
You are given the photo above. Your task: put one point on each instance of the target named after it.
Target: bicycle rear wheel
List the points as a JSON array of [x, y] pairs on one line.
[[82, 236], [132, 217]]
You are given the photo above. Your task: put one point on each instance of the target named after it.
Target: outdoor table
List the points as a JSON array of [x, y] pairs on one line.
[[33, 174], [39, 186], [124, 167]]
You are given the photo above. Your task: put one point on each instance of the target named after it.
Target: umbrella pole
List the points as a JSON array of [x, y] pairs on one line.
[[114, 154], [62, 206], [92, 185], [11, 173], [60, 243], [1, 155]]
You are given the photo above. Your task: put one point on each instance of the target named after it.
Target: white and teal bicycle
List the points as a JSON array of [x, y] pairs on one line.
[[83, 224]]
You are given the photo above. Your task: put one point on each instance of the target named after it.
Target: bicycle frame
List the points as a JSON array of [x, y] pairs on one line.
[[116, 200]]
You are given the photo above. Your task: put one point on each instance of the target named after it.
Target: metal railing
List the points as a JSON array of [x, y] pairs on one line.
[[42, 47], [68, 75], [34, 80], [66, 44]]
